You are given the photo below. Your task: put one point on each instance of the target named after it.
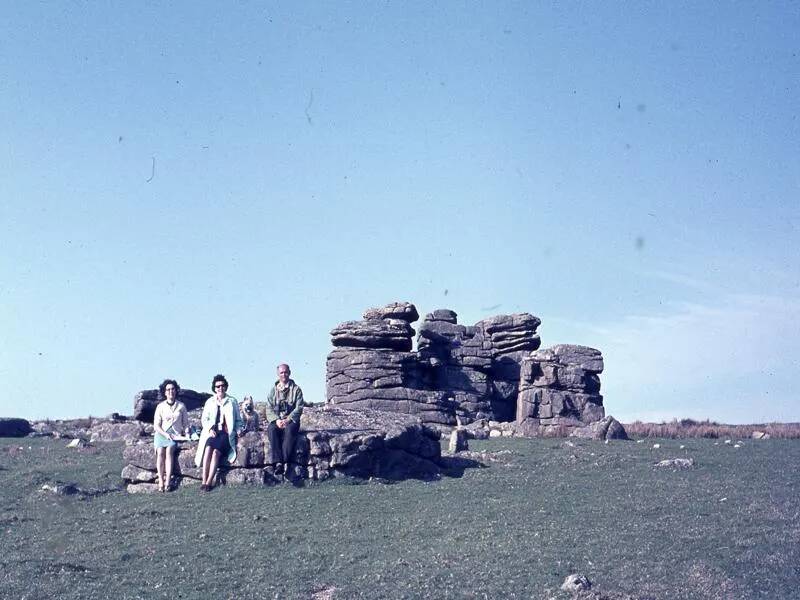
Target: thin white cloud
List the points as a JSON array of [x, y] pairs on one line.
[[682, 279], [725, 360]]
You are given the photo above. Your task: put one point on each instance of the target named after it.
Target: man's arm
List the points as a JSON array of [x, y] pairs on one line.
[[297, 411], [269, 409]]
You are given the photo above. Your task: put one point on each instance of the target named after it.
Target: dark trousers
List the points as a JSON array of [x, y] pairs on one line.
[[281, 442]]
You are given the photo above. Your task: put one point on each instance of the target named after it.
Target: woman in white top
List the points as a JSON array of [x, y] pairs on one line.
[[170, 421]]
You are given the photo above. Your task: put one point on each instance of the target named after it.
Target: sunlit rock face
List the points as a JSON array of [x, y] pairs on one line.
[[559, 388], [492, 371], [372, 367], [458, 372]]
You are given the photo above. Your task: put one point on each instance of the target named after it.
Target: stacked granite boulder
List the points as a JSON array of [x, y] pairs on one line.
[[459, 372], [457, 359], [512, 338], [372, 367], [332, 442], [559, 390]]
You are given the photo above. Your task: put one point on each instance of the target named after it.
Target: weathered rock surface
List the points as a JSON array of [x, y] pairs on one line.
[[14, 427], [607, 428], [576, 583], [469, 372], [378, 333], [403, 311], [560, 388], [372, 367], [145, 402], [333, 441], [458, 441]]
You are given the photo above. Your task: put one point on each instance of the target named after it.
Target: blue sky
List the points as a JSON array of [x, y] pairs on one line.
[[207, 188]]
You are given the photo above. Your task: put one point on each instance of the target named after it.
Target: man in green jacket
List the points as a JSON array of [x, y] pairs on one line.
[[283, 411]]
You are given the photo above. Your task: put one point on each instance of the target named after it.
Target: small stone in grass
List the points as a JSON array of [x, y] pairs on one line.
[[576, 583]]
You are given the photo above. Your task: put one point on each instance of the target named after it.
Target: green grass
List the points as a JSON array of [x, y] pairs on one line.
[[540, 511]]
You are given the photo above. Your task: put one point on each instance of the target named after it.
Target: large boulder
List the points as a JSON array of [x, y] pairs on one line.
[[607, 428], [393, 334], [403, 311], [560, 390], [145, 402], [14, 427], [512, 333]]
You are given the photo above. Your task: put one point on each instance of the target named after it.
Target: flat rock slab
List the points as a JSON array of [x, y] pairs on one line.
[[333, 441]]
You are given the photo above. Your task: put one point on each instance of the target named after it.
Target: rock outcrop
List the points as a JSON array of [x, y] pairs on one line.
[[559, 388], [13, 427], [478, 366], [333, 441], [372, 367], [457, 373]]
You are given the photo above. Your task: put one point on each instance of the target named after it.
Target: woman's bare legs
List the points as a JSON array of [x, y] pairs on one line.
[[160, 452], [169, 463], [213, 469], [207, 453]]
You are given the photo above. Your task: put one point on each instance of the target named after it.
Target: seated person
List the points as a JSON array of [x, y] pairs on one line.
[[221, 422], [170, 422], [283, 411]]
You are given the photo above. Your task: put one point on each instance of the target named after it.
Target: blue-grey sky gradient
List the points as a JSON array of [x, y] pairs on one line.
[[211, 187]]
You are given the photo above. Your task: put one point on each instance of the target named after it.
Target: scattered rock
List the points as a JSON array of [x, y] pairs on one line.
[[675, 463], [323, 593], [77, 443], [760, 435], [61, 489], [142, 488], [71, 489], [576, 583]]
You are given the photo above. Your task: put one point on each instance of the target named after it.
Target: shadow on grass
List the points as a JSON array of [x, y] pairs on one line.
[[454, 466]]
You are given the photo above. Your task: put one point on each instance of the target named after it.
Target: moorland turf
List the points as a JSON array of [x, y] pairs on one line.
[[542, 509]]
